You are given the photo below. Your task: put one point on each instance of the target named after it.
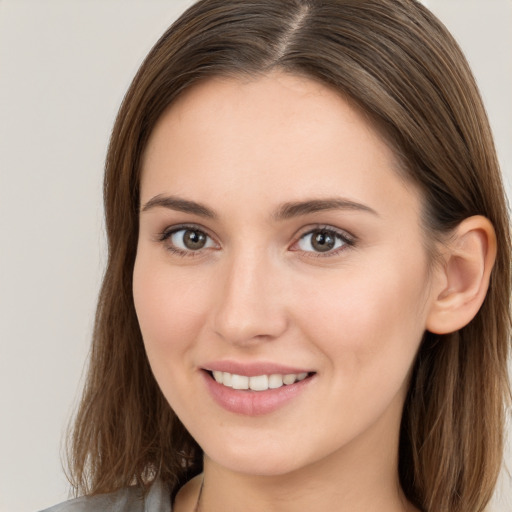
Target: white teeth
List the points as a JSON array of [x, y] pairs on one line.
[[275, 381], [226, 379], [258, 382], [239, 381], [289, 379]]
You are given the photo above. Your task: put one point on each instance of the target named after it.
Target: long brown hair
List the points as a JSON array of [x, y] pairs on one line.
[[402, 67]]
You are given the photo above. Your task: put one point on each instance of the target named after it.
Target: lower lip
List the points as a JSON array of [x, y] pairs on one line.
[[253, 403]]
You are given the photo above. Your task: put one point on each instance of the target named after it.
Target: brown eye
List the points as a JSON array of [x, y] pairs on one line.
[[194, 240], [187, 239], [322, 241]]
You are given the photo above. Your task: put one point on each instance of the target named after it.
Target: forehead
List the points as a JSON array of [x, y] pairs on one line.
[[294, 106], [280, 136]]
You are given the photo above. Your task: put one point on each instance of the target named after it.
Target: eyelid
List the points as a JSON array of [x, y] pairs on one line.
[[348, 239], [167, 233], [169, 230]]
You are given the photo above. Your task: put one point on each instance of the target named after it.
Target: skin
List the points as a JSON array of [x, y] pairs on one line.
[[258, 291]]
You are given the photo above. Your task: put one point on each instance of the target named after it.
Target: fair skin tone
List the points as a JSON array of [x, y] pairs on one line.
[[276, 234]]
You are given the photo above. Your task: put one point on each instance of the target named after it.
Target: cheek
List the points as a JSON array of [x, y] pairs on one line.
[[170, 309], [369, 321]]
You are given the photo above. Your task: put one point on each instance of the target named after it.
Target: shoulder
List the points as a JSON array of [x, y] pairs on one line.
[[128, 499]]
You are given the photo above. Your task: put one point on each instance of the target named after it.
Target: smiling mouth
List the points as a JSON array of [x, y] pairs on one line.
[[257, 382]]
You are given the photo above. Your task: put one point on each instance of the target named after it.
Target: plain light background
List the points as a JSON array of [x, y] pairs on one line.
[[64, 68]]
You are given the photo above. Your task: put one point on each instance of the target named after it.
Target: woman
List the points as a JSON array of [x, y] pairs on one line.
[[306, 304]]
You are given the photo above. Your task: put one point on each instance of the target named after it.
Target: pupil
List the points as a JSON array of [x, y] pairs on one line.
[[323, 241], [194, 239]]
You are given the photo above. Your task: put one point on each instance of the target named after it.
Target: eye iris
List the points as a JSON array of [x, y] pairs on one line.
[[323, 241], [194, 240]]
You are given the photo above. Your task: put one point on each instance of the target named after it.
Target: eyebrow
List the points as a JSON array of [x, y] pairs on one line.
[[180, 205], [285, 211], [295, 209]]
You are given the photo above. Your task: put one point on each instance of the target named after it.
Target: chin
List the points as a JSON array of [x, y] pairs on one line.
[[258, 463]]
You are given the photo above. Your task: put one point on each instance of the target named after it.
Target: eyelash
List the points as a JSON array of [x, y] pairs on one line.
[[347, 240], [169, 232]]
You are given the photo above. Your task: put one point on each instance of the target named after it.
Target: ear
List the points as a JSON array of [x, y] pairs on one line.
[[463, 280]]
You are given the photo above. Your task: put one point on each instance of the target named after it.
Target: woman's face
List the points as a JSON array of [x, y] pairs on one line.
[[279, 249]]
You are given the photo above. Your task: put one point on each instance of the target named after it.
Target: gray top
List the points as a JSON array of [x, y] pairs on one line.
[[129, 499]]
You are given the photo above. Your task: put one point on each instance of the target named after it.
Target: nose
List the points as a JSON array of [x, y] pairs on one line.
[[251, 307]]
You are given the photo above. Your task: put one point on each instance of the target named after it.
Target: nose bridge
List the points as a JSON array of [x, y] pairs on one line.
[[249, 306]]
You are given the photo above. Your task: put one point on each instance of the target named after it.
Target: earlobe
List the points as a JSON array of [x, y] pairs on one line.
[[463, 280]]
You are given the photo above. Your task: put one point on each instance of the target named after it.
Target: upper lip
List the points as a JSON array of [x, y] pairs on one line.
[[253, 369]]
